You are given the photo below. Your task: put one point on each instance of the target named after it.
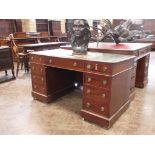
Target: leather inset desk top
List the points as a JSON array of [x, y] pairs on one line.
[[91, 56]]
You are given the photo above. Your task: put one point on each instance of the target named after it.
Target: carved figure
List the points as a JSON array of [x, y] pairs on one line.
[[118, 34], [80, 36]]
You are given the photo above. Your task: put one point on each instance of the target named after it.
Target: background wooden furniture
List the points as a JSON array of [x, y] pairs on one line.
[[6, 62], [42, 25], [4, 42], [55, 27], [54, 73], [8, 26], [31, 38], [21, 57], [42, 46], [20, 35]]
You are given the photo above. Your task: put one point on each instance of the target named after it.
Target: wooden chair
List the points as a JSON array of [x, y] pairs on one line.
[[44, 34], [20, 57], [20, 35]]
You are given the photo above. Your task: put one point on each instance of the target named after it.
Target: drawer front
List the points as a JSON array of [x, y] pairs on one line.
[[38, 80], [37, 69], [36, 59], [97, 81], [96, 107], [98, 67], [96, 94], [48, 61], [66, 63]]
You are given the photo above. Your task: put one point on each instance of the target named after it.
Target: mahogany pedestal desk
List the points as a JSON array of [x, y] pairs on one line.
[[106, 81], [140, 50], [6, 62]]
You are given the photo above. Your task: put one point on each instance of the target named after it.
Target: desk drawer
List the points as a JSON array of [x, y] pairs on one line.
[[38, 80], [37, 69], [96, 107], [97, 94], [98, 81], [98, 67], [68, 64], [36, 59]]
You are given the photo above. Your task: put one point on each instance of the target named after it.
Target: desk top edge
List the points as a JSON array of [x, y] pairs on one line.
[[90, 56]]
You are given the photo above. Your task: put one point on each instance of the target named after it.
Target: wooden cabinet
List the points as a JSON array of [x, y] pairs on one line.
[[42, 25], [106, 81], [55, 27], [6, 62], [149, 26]]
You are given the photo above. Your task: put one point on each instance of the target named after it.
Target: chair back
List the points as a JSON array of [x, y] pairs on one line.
[[15, 49], [20, 35]]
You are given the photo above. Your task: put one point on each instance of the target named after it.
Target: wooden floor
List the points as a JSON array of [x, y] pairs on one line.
[[20, 114]]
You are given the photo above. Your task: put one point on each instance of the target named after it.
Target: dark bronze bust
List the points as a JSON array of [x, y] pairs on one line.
[[80, 36]]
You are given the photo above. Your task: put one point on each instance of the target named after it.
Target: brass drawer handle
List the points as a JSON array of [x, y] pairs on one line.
[[104, 82], [88, 91], [75, 64], [88, 66], [89, 79], [50, 61], [104, 68], [103, 95], [87, 104], [42, 79], [102, 108]]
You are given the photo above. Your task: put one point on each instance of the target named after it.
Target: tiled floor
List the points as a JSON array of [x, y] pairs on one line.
[[20, 114]]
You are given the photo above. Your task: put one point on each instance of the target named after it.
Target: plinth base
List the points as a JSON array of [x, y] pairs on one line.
[[103, 121]]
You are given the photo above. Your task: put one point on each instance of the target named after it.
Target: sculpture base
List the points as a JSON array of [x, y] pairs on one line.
[[79, 53]]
